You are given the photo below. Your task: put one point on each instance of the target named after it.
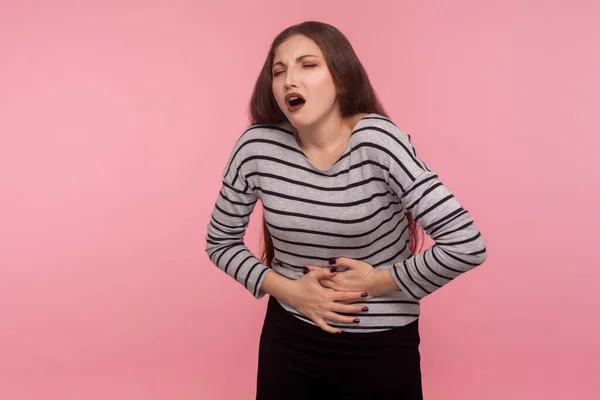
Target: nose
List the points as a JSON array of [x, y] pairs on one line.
[[290, 78]]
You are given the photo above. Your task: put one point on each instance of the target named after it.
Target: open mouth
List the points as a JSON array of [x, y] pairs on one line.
[[294, 102]]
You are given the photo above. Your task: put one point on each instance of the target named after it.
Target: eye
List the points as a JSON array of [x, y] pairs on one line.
[[305, 65]]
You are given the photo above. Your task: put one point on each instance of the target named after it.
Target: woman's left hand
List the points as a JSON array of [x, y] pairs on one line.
[[359, 276]]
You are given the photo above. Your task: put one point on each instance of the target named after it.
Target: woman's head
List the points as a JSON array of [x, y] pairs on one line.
[[300, 68], [337, 83]]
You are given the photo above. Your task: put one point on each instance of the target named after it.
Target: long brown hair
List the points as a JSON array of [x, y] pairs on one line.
[[350, 78]]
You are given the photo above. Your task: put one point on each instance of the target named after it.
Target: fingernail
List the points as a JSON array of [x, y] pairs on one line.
[[356, 321], [305, 270], [332, 261], [333, 269], [365, 308], [364, 294]]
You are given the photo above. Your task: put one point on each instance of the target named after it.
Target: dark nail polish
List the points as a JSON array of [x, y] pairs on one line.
[[365, 308], [305, 270], [333, 269], [356, 321], [332, 261], [364, 294]]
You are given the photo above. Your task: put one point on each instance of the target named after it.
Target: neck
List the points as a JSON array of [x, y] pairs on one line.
[[329, 133]]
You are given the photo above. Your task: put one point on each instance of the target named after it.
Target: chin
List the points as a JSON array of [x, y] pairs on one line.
[[299, 120]]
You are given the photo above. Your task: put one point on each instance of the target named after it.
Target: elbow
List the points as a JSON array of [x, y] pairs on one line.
[[477, 252], [468, 254], [479, 256], [482, 253], [210, 246], [208, 249]]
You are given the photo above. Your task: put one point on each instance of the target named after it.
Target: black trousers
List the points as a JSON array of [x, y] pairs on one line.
[[300, 361]]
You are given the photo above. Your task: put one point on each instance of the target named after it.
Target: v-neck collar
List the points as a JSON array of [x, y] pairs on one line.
[[333, 168]]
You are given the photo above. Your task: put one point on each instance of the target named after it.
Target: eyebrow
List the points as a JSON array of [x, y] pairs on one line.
[[297, 59]]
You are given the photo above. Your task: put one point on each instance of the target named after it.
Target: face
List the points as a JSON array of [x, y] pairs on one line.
[[299, 66]]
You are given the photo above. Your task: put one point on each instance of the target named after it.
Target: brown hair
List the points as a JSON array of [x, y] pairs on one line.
[[350, 78]]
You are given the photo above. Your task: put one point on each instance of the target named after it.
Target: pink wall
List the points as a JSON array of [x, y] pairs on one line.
[[116, 119]]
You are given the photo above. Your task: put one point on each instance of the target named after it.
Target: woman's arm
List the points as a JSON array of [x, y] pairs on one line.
[[228, 222], [459, 245]]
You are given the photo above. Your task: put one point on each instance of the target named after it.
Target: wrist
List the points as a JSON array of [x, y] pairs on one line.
[[382, 283], [279, 287]]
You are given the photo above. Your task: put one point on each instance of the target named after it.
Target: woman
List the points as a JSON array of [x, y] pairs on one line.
[[344, 194]]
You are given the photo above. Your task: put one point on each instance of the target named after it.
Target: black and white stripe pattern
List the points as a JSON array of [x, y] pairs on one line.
[[356, 208]]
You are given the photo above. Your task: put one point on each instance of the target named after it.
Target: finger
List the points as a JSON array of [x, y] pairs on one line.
[[342, 318], [361, 300], [323, 273], [323, 325], [311, 268], [349, 296], [348, 308], [349, 263]]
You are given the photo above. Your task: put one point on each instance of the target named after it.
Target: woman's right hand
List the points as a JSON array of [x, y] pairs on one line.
[[318, 303]]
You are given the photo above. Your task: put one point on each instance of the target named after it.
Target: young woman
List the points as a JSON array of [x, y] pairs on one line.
[[344, 195]]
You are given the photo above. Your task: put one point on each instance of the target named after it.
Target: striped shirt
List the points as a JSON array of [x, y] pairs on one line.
[[356, 209]]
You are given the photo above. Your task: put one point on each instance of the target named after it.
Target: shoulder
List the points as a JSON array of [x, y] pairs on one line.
[[267, 130], [258, 132], [379, 126], [255, 137], [392, 146], [382, 133]]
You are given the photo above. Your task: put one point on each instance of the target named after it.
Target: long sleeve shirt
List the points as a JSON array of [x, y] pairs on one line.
[[356, 209]]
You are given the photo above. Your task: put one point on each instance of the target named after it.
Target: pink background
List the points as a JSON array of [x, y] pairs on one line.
[[117, 117]]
